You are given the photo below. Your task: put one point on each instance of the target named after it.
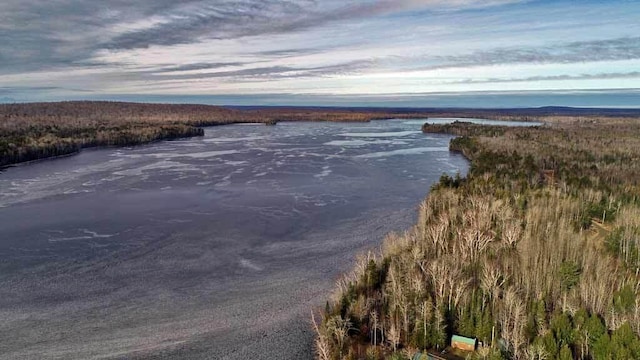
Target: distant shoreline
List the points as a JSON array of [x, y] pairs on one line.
[[37, 131]]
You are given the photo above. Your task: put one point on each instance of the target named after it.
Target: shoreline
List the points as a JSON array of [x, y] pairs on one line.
[[171, 137], [37, 131], [240, 290], [491, 225]]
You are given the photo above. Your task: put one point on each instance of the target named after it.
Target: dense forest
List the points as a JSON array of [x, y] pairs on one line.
[[535, 253]]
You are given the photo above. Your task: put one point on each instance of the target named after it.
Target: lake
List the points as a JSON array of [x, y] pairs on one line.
[[210, 247]]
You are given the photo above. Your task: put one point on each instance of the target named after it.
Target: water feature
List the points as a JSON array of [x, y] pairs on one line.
[[211, 247]]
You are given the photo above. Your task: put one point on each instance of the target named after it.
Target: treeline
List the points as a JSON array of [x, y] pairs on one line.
[[40, 130], [462, 128], [534, 253], [35, 131], [21, 147]]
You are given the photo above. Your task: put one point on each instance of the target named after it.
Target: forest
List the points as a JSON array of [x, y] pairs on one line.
[[535, 253]]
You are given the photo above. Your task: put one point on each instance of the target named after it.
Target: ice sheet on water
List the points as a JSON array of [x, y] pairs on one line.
[[85, 234], [411, 151], [381, 134], [192, 155], [358, 142], [326, 171], [233, 139], [160, 165]]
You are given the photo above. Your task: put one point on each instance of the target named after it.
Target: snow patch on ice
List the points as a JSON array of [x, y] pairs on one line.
[[411, 151], [382, 134]]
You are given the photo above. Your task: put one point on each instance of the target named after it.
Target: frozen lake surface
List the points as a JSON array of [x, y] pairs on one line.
[[206, 248]]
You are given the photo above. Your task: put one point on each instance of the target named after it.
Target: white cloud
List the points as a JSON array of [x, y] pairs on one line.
[[332, 47]]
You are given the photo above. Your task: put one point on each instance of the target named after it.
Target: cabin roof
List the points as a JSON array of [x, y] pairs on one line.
[[464, 340]]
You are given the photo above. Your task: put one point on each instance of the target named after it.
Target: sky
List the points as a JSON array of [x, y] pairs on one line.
[[323, 52]]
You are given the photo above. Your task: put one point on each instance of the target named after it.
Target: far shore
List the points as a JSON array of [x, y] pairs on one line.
[[37, 131]]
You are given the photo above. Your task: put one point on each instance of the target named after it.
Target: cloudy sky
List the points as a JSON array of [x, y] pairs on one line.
[[324, 49]]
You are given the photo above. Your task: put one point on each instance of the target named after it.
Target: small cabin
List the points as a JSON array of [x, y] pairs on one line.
[[463, 343]]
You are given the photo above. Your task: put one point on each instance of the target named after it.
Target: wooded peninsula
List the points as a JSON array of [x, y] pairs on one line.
[[533, 255]]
